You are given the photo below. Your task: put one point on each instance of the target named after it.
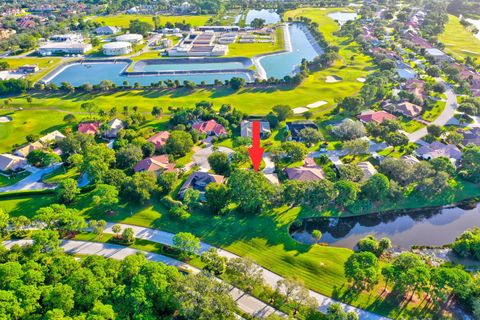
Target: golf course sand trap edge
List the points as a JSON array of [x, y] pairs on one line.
[[299, 110], [5, 119], [316, 104], [332, 79], [362, 80]]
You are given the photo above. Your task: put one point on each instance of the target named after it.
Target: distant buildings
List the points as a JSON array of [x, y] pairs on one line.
[[107, 30], [130, 37], [117, 48], [198, 44], [27, 68], [64, 48], [296, 127], [210, 127], [438, 56]]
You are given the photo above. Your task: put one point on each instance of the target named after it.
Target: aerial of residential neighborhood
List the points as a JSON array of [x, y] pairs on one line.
[[234, 159]]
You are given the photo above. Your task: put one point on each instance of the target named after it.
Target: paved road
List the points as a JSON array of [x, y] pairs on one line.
[[32, 182], [269, 277], [245, 302], [446, 116]]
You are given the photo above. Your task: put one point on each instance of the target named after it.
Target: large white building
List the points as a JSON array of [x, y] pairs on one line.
[[130, 37], [117, 48], [65, 48], [107, 30]]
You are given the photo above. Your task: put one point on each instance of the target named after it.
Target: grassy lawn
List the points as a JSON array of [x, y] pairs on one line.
[[59, 174], [45, 65], [458, 41], [123, 20], [28, 122], [410, 125], [6, 181], [431, 115], [253, 49]]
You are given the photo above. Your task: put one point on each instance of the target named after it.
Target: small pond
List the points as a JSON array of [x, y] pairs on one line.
[[343, 17], [270, 16], [283, 64], [425, 227], [78, 74]]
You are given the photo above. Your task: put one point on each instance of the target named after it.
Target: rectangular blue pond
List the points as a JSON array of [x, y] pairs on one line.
[[93, 73]]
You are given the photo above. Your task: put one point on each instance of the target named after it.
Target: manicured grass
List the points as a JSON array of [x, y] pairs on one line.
[[411, 125], [59, 174], [431, 115], [123, 20], [6, 181], [253, 49], [458, 41], [27, 122], [45, 65]]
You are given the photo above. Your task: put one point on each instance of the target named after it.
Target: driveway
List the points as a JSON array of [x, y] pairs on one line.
[[33, 181], [269, 277], [445, 117], [200, 157], [245, 302]]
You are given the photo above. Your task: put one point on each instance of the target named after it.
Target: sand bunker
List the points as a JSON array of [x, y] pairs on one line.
[[316, 104], [299, 110], [332, 79], [362, 80], [5, 119]]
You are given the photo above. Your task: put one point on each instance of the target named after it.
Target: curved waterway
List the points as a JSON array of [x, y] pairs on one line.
[[416, 228], [299, 44]]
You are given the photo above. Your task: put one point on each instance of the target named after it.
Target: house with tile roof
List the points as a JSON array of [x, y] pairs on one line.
[[375, 116], [310, 171], [210, 127], [409, 109], [246, 129], [91, 128], [296, 127], [25, 150], [114, 127], [367, 168], [159, 139], [155, 164]]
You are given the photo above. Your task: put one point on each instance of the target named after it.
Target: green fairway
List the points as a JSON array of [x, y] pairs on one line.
[[123, 20], [28, 122], [458, 41]]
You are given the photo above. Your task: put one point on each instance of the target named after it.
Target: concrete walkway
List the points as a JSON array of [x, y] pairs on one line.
[[269, 277], [445, 117], [32, 182], [245, 302]]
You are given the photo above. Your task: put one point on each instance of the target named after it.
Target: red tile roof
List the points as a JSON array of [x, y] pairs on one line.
[[209, 127], [89, 127], [154, 164], [159, 139], [377, 116]]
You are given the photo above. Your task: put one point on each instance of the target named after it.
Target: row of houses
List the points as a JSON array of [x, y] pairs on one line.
[[17, 160]]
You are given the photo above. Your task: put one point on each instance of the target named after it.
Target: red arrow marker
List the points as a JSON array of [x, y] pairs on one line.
[[255, 151]]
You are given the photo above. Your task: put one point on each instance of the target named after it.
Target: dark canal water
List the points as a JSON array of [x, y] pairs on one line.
[[415, 228]]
